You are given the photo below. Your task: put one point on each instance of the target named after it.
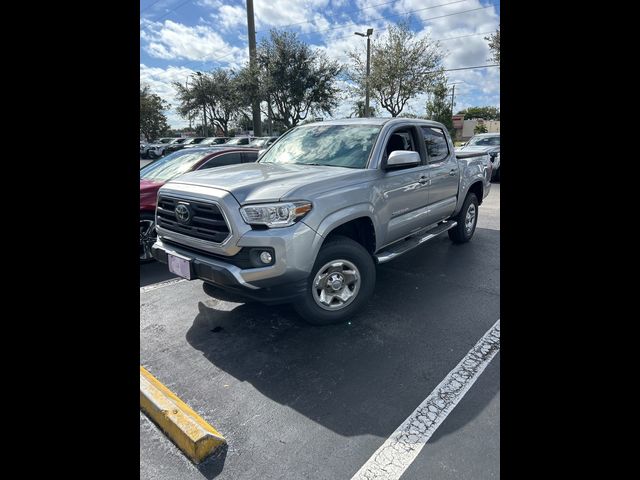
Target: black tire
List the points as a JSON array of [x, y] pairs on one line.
[[146, 217], [460, 233], [338, 248]]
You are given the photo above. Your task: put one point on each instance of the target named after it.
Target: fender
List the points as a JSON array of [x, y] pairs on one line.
[[340, 217]]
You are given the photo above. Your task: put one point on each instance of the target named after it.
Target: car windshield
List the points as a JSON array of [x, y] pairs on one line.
[[259, 142], [236, 141], [485, 141], [165, 140], [171, 166], [209, 141], [331, 145]]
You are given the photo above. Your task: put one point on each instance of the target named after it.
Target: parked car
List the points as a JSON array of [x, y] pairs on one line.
[[239, 141], [309, 221], [262, 142], [488, 143], [174, 147], [158, 150], [209, 141], [144, 150], [154, 175]]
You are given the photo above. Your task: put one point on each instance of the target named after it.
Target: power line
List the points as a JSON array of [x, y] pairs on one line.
[[352, 11], [172, 10], [147, 8], [468, 68], [401, 14]]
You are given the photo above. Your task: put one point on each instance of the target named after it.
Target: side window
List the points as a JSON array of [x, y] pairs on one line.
[[249, 157], [226, 159], [436, 143]]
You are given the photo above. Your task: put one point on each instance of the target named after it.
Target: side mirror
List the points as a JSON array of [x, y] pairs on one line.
[[403, 158]]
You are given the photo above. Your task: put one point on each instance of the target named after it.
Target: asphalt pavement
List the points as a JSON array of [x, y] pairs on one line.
[[296, 401]]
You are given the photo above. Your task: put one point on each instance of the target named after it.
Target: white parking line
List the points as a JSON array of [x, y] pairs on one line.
[[403, 446], [166, 283]]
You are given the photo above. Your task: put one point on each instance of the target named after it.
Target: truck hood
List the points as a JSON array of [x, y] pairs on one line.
[[478, 149], [270, 182]]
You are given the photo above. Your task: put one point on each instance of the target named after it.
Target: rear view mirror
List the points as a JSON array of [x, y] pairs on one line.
[[403, 158]]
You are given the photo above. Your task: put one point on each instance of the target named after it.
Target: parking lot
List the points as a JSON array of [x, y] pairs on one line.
[[295, 401]]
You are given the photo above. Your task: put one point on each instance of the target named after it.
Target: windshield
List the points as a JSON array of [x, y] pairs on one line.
[[259, 142], [331, 145], [485, 141], [172, 165], [237, 141], [210, 140], [165, 140]]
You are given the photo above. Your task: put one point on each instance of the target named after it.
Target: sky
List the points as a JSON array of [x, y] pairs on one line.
[[180, 37]]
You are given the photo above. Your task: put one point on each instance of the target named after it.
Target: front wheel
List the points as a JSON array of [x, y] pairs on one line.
[[148, 236], [467, 220], [342, 279]]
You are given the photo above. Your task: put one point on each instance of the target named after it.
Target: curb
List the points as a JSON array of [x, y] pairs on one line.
[[184, 427]]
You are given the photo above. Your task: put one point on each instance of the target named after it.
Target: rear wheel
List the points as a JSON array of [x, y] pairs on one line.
[[467, 219], [148, 236], [342, 279]]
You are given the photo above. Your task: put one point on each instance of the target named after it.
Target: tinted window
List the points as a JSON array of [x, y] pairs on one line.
[[227, 159], [436, 143], [250, 156]]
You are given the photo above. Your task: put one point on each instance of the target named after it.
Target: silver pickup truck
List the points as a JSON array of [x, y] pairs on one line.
[[308, 222]]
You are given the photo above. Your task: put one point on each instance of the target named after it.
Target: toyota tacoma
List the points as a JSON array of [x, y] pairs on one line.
[[308, 222]]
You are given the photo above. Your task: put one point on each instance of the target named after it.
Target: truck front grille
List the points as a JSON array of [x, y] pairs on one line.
[[205, 222]]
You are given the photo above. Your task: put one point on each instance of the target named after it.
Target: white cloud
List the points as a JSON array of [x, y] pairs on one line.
[[160, 82], [231, 16], [176, 41]]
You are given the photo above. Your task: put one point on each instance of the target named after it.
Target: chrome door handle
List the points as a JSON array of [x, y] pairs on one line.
[[423, 180], [452, 172]]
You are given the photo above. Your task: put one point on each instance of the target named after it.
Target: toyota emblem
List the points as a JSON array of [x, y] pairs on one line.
[[183, 214]]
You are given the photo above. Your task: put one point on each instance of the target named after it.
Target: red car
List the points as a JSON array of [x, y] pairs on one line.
[[156, 174]]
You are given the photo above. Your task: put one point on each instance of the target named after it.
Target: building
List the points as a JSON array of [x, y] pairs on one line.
[[464, 128]]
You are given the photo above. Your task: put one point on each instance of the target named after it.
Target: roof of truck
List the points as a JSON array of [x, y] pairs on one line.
[[372, 121]]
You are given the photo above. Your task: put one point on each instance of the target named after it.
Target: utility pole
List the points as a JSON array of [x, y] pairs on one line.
[[186, 86], [366, 98], [453, 93], [257, 122]]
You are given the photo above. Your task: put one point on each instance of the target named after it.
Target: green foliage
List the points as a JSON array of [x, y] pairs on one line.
[[359, 110], [480, 128], [485, 113], [439, 106], [494, 45], [295, 79], [402, 67], [218, 93], [153, 122]]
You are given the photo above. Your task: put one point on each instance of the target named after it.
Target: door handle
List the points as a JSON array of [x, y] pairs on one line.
[[453, 172], [423, 180]]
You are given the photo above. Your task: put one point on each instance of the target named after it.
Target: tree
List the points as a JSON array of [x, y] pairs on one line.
[[359, 110], [402, 67], [219, 91], [294, 80], [480, 128], [494, 45], [485, 113], [439, 106], [153, 122]]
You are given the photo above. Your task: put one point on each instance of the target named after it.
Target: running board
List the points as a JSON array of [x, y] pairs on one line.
[[412, 242]]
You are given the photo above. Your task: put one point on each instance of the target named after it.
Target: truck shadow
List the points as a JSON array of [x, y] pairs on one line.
[[365, 376]]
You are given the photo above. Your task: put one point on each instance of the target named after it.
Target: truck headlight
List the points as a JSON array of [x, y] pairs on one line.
[[275, 215]]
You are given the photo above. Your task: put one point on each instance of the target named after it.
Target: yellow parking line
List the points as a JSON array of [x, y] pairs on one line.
[[188, 430]]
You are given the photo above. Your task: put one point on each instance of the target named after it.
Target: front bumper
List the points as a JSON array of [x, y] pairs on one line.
[[282, 282]]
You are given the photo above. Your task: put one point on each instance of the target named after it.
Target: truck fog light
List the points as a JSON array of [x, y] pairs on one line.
[[265, 257]]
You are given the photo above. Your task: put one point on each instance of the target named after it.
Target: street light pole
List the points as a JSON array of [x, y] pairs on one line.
[[366, 98]]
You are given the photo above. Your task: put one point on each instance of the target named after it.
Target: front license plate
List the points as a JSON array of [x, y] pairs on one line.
[[179, 266]]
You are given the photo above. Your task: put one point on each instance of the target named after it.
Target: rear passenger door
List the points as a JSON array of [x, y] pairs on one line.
[[222, 160], [443, 172]]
